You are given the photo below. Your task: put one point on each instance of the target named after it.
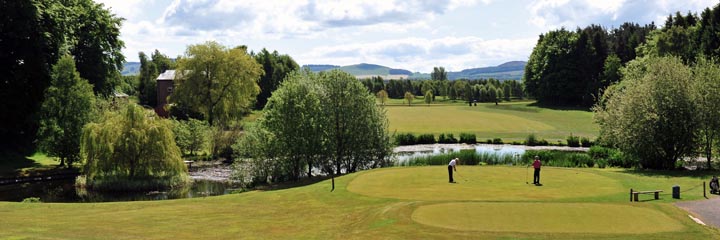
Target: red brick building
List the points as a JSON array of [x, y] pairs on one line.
[[165, 86]]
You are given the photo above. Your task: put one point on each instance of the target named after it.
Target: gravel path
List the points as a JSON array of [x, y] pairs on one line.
[[706, 210]]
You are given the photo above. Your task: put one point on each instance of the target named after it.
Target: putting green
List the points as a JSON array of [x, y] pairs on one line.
[[546, 218], [482, 183]]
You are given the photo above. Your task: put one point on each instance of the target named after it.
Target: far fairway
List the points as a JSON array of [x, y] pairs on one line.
[[508, 120]]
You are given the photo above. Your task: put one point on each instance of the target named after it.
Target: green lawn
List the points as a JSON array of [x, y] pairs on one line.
[[507, 120], [14, 164], [392, 203]]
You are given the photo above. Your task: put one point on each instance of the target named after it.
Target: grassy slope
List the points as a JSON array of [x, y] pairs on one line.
[[509, 121], [312, 212]]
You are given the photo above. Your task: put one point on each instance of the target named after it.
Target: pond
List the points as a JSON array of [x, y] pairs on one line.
[[405, 153], [65, 191]]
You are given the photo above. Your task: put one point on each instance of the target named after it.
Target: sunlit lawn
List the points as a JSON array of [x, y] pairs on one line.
[[507, 120], [394, 203]]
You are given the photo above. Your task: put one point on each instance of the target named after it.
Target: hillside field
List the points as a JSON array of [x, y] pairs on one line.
[[511, 121], [391, 203]]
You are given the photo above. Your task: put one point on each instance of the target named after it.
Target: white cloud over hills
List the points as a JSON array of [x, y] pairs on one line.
[[414, 34]]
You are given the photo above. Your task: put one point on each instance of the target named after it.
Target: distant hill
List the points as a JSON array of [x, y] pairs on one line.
[[320, 68], [131, 68], [507, 71]]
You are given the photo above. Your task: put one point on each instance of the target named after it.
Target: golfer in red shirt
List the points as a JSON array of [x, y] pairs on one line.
[[536, 164]]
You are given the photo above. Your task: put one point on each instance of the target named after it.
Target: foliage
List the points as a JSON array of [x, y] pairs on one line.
[[585, 142], [382, 96], [218, 82], [276, 67], [31, 200], [327, 121], [449, 138], [533, 140], [131, 150], [468, 138], [191, 135], [572, 67], [148, 84], [429, 97], [655, 92], [409, 98], [425, 139], [573, 141], [97, 48], [497, 141], [405, 139], [439, 73], [67, 108], [706, 89], [36, 33]]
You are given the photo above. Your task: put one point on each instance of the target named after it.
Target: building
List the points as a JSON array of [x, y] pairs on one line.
[[165, 86]]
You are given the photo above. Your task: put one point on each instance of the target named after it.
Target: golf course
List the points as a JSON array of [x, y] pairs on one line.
[[509, 121], [394, 203]]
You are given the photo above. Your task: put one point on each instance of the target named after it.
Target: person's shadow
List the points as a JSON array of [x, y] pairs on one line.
[[538, 184]]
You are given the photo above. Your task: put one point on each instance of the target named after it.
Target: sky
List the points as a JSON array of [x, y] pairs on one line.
[[416, 35]]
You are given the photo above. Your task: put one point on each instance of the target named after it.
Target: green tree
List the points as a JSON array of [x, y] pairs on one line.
[[218, 82], [148, 81], [707, 97], [611, 70], [409, 98], [36, 33], [428, 97], [276, 68], [97, 48], [64, 112], [326, 120], [131, 149], [382, 96], [191, 135], [650, 113], [507, 92], [162, 62], [438, 73]]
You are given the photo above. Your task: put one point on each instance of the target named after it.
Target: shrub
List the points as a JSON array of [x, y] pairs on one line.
[[532, 140], [442, 138], [405, 139], [425, 139], [31, 200], [489, 141], [468, 138], [573, 141], [581, 160], [449, 138], [497, 141], [585, 142]]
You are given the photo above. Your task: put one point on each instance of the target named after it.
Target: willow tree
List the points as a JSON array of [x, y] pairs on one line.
[[131, 149], [219, 82]]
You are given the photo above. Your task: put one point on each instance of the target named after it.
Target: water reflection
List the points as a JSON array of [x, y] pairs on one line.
[[65, 191], [500, 150]]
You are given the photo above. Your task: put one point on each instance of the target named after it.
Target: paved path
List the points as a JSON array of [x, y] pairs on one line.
[[706, 210]]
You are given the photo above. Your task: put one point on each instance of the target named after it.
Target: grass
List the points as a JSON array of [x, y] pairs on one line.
[[17, 165], [508, 120], [392, 203]]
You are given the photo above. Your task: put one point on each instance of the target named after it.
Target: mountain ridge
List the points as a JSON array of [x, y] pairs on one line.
[[512, 70]]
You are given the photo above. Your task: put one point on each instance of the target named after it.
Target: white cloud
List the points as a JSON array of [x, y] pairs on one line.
[[125, 8], [552, 14]]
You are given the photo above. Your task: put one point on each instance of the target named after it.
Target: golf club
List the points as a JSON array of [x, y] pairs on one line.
[[461, 176], [526, 174]]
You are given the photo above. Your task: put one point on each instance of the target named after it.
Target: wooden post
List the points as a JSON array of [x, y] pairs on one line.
[[631, 194], [333, 183], [704, 194]]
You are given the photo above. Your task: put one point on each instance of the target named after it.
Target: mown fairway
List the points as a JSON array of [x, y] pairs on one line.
[[509, 121], [393, 203]]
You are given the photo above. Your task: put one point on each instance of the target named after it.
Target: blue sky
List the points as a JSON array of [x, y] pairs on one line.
[[414, 35]]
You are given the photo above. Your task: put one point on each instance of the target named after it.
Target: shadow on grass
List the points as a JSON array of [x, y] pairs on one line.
[[11, 163], [698, 174], [299, 183], [558, 107]]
